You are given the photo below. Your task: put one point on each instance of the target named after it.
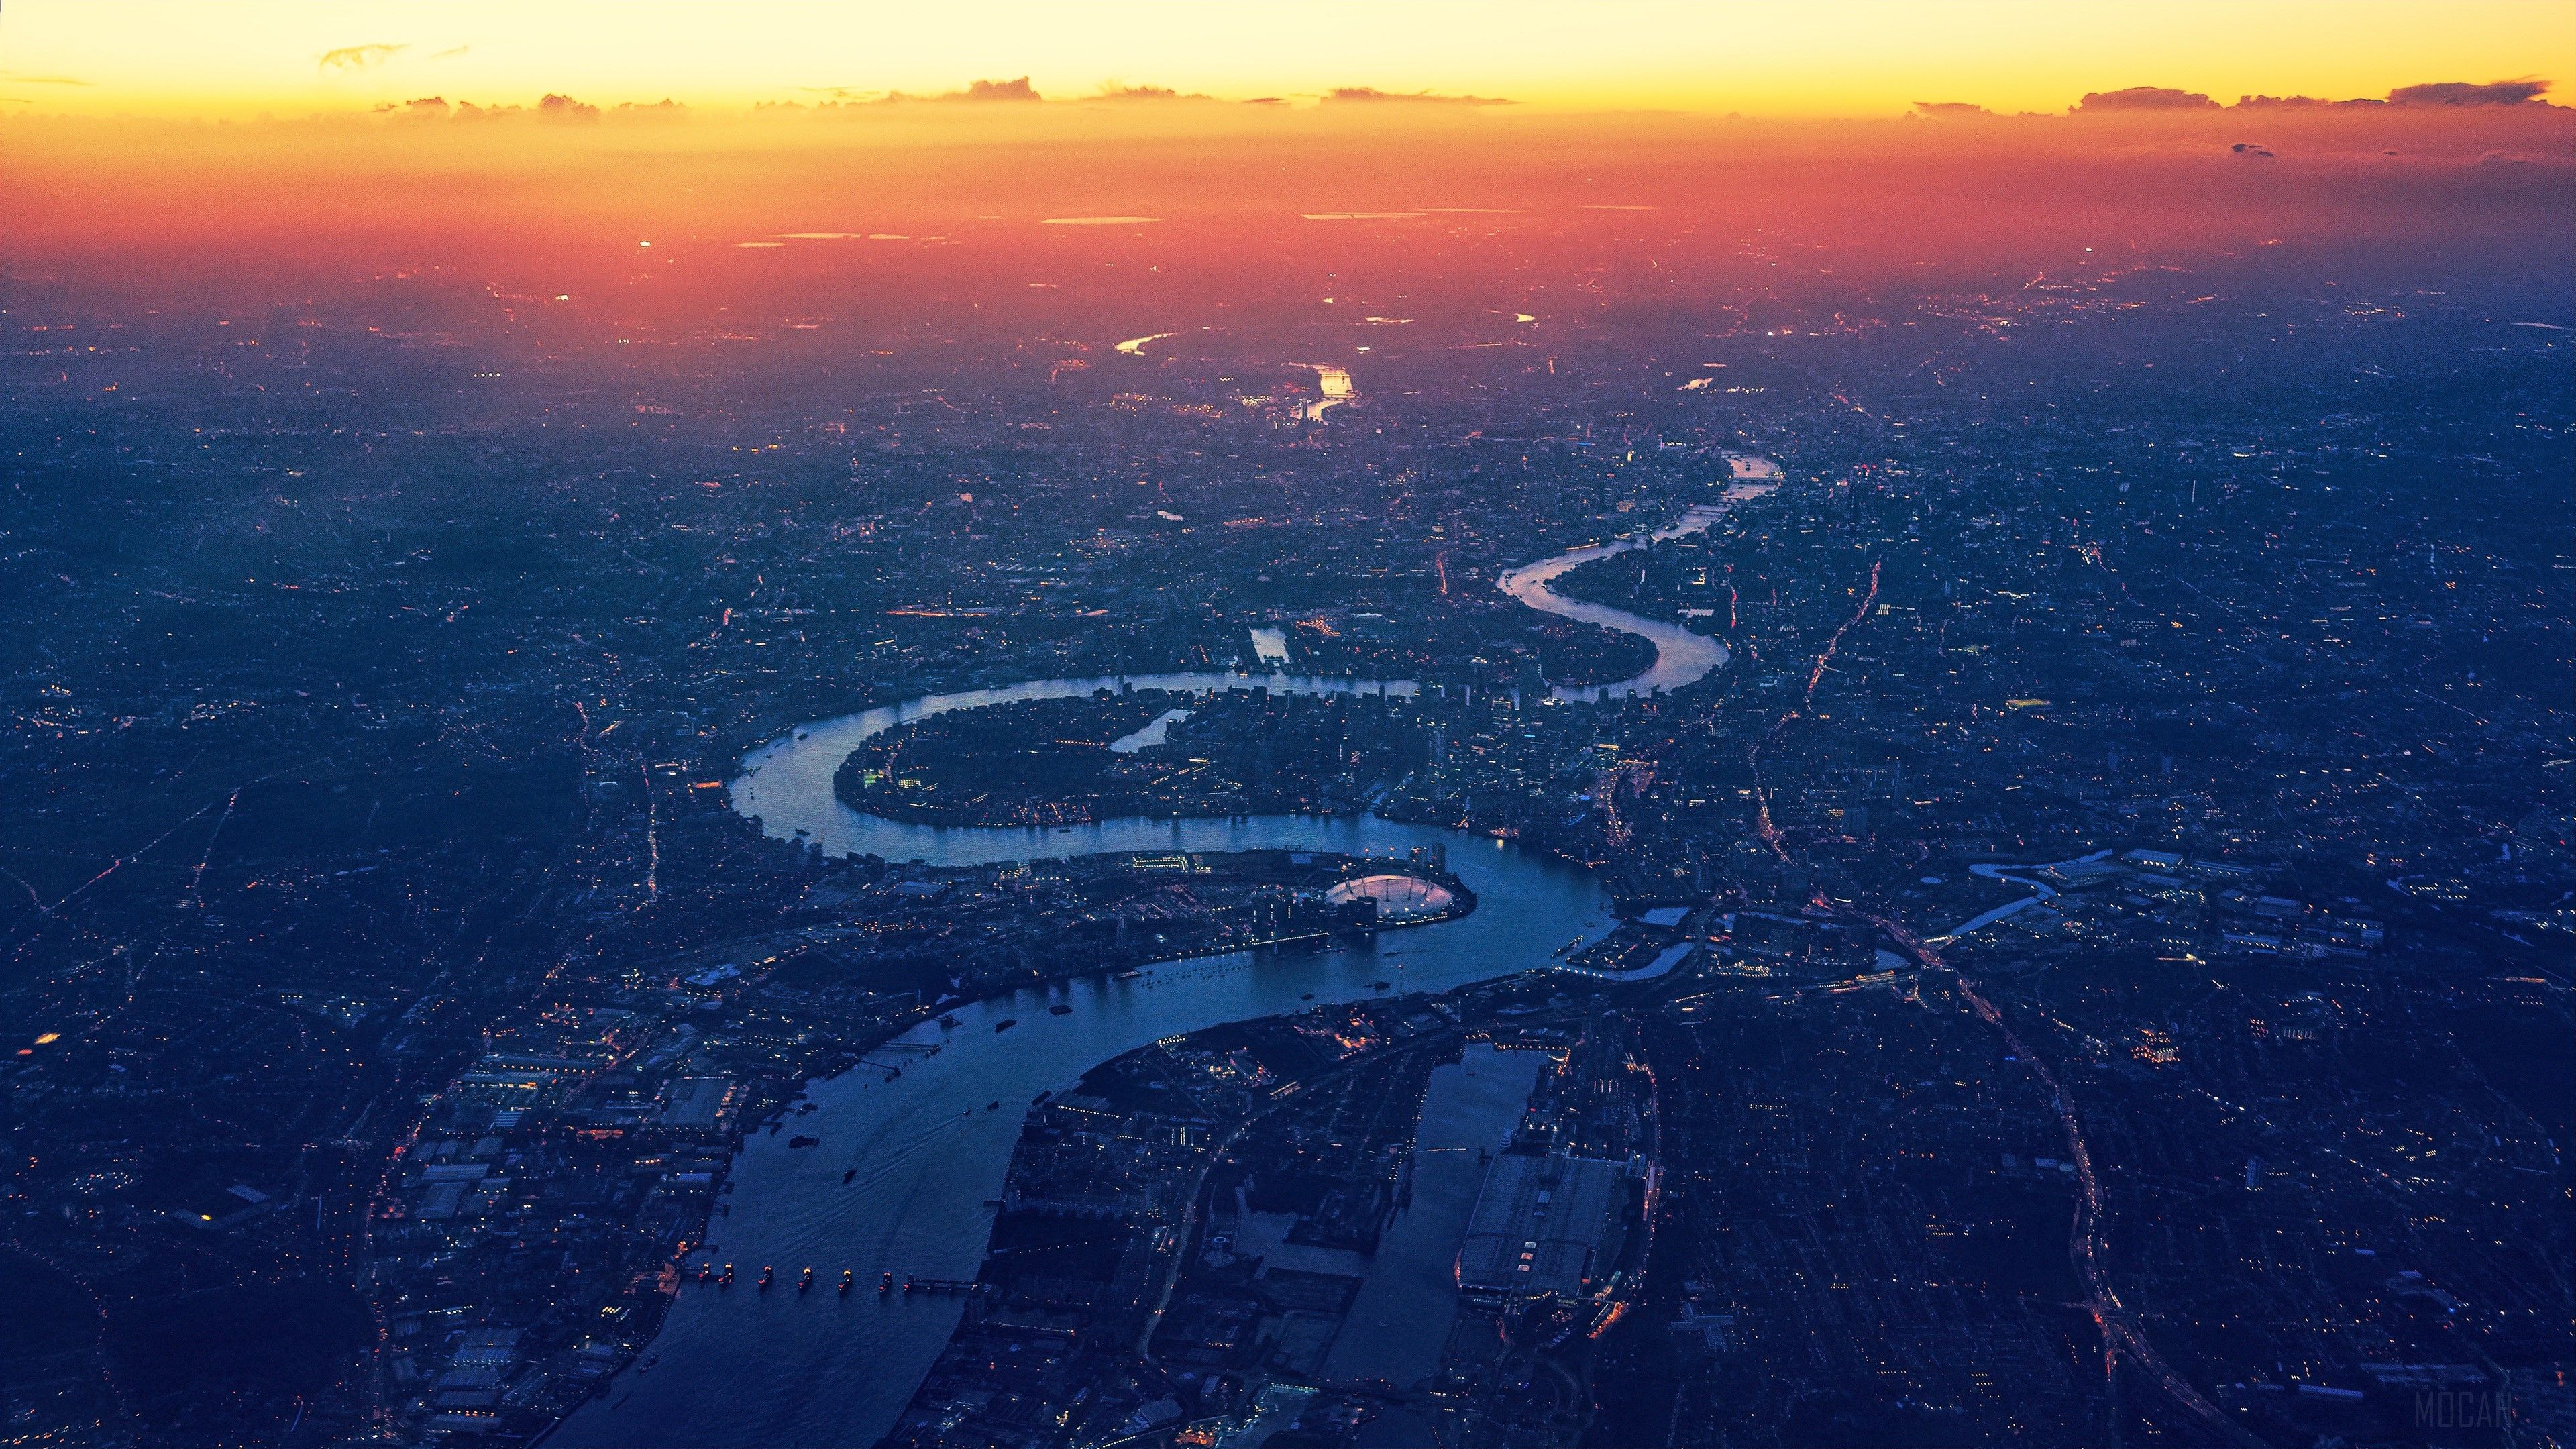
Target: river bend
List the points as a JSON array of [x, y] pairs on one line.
[[753, 1369]]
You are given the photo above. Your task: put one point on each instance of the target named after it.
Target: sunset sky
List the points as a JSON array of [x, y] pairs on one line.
[[1798, 59]]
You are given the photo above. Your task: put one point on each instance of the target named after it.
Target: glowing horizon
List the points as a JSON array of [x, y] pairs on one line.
[[1793, 61]]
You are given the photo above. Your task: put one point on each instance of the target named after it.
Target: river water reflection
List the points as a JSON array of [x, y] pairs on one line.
[[787, 783], [1682, 656], [927, 1155], [1400, 1321], [740, 1367]]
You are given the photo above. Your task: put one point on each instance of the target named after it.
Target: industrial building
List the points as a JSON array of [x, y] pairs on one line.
[[1543, 1224]]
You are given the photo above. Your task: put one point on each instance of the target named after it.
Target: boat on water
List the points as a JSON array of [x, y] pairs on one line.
[[767, 1276], [993, 1106], [1006, 1023], [1380, 985], [845, 1177], [1060, 1009], [1129, 974], [794, 1142], [847, 1278], [948, 1021]]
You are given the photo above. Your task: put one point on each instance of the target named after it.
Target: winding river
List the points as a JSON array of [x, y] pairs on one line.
[[741, 1367], [1681, 656]]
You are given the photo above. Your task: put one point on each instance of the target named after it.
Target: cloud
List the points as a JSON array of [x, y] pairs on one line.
[[995, 90], [1113, 91], [14, 78], [982, 90], [2251, 149], [1372, 93], [2464, 93], [360, 57], [2527, 91], [2145, 98], [1949, 110], [423, 108], [565, 108], [450, 53]]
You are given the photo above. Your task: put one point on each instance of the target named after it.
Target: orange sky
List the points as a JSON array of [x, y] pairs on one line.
[[1760, 57]]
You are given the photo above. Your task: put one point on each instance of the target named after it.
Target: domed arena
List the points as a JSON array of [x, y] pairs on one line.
[[1401, 899]]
